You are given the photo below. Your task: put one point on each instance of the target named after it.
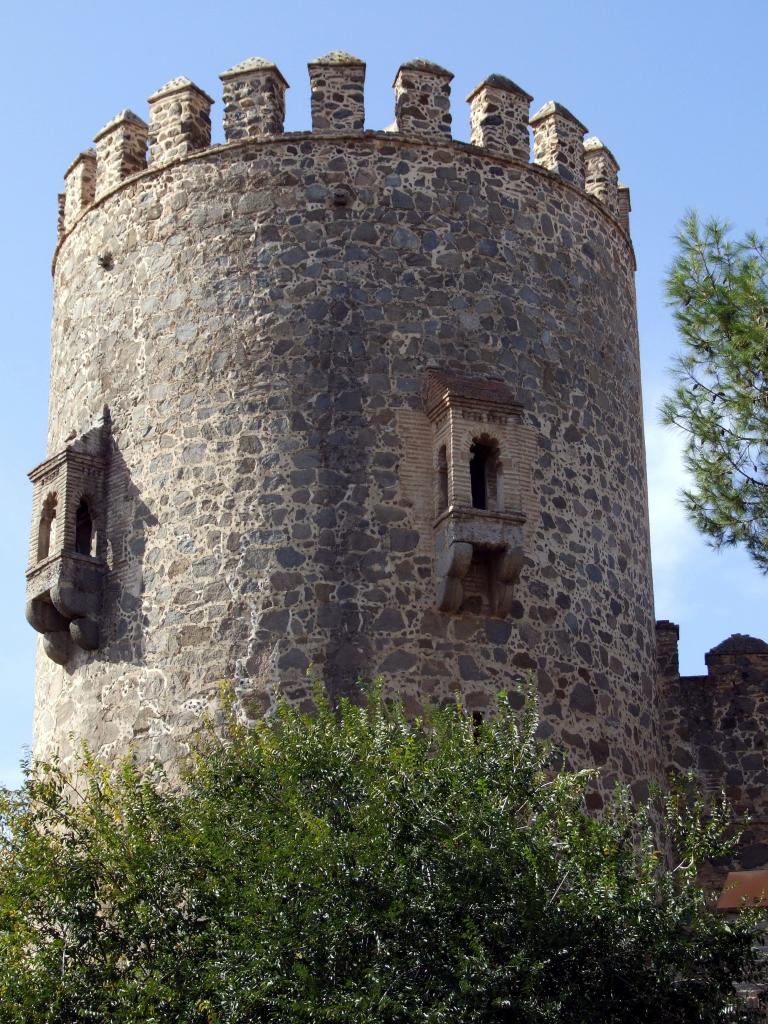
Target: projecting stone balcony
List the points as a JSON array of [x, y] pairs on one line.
[[479, 553], [64, 594]]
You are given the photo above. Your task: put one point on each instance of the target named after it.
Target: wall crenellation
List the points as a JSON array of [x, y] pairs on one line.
[[337, 96], [121, 150], [79, 188], [254, 108], [254, 99], [423, 99], [558, 142], [601, 174], [499, 117], [179, 120]]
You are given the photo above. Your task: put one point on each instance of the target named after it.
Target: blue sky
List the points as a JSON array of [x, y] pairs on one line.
[[677, 90]]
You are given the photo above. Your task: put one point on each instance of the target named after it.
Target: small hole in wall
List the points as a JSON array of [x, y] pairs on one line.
[[106, 260], [341, 195]]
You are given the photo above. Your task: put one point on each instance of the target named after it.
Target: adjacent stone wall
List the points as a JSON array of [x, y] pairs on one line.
[[716, 726], [261, 337]]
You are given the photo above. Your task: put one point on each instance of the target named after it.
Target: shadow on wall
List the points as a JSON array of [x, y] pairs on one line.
[[129, 520]]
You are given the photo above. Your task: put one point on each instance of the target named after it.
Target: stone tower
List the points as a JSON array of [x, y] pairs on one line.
[[367, 401]]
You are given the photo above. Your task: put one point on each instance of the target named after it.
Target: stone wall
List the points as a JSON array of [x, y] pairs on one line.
[[260, 319], [716, 726]]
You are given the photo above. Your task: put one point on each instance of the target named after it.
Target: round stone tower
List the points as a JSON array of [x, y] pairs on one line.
[[348, 402]]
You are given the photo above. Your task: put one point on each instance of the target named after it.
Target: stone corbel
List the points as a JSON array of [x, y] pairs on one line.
[[65, 606], [452, 566], [459, 533], [505, 572]]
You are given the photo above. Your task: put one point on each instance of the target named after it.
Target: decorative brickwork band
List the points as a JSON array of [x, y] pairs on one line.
[[179, 120], [423, 99], [121, 150], [602, 174], [80, 179], [499, 112], [625, 206], [254, 99], [337, 81], [558, 142]]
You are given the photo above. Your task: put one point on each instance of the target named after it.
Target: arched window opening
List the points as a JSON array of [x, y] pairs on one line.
[[47, 530], [442, 480], [84, 533], [483, 473]]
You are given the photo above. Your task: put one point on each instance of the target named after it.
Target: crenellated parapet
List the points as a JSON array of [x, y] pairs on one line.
[[423, 99], [557, 142], [254, 101], [499, 117], [624, 206], [79, 188], [121, 150], [338, 100], [179, 120], [602, 174]]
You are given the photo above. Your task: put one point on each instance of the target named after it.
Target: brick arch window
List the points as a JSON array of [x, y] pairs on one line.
[[479, 541], [85, 530], [46, 532], [485, 473]]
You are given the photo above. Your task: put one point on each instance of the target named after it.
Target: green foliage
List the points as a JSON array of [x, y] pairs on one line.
[[719, 292], [353, 866]]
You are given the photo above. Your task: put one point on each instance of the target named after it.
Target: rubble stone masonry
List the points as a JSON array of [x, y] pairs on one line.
[[716, 728], [262, 320]]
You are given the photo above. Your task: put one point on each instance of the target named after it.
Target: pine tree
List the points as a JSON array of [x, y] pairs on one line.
[[718, 290]]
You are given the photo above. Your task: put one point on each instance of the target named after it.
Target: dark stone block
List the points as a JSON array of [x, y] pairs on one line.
[[398, 661], [388, 620], [755, 856], [275, 621], [294, 659], [582, 699], [290, 558], [468, 668], [599, 749], [403, 540]]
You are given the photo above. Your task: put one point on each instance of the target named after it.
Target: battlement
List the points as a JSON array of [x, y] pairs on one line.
[[738, 656], [254, 91]]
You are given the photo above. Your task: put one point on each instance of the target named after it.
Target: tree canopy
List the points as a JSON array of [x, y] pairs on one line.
[[354, 866], [718, 289]]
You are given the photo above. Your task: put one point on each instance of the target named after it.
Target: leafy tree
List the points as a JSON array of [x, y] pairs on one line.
[[718, 289], [354, 866]]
